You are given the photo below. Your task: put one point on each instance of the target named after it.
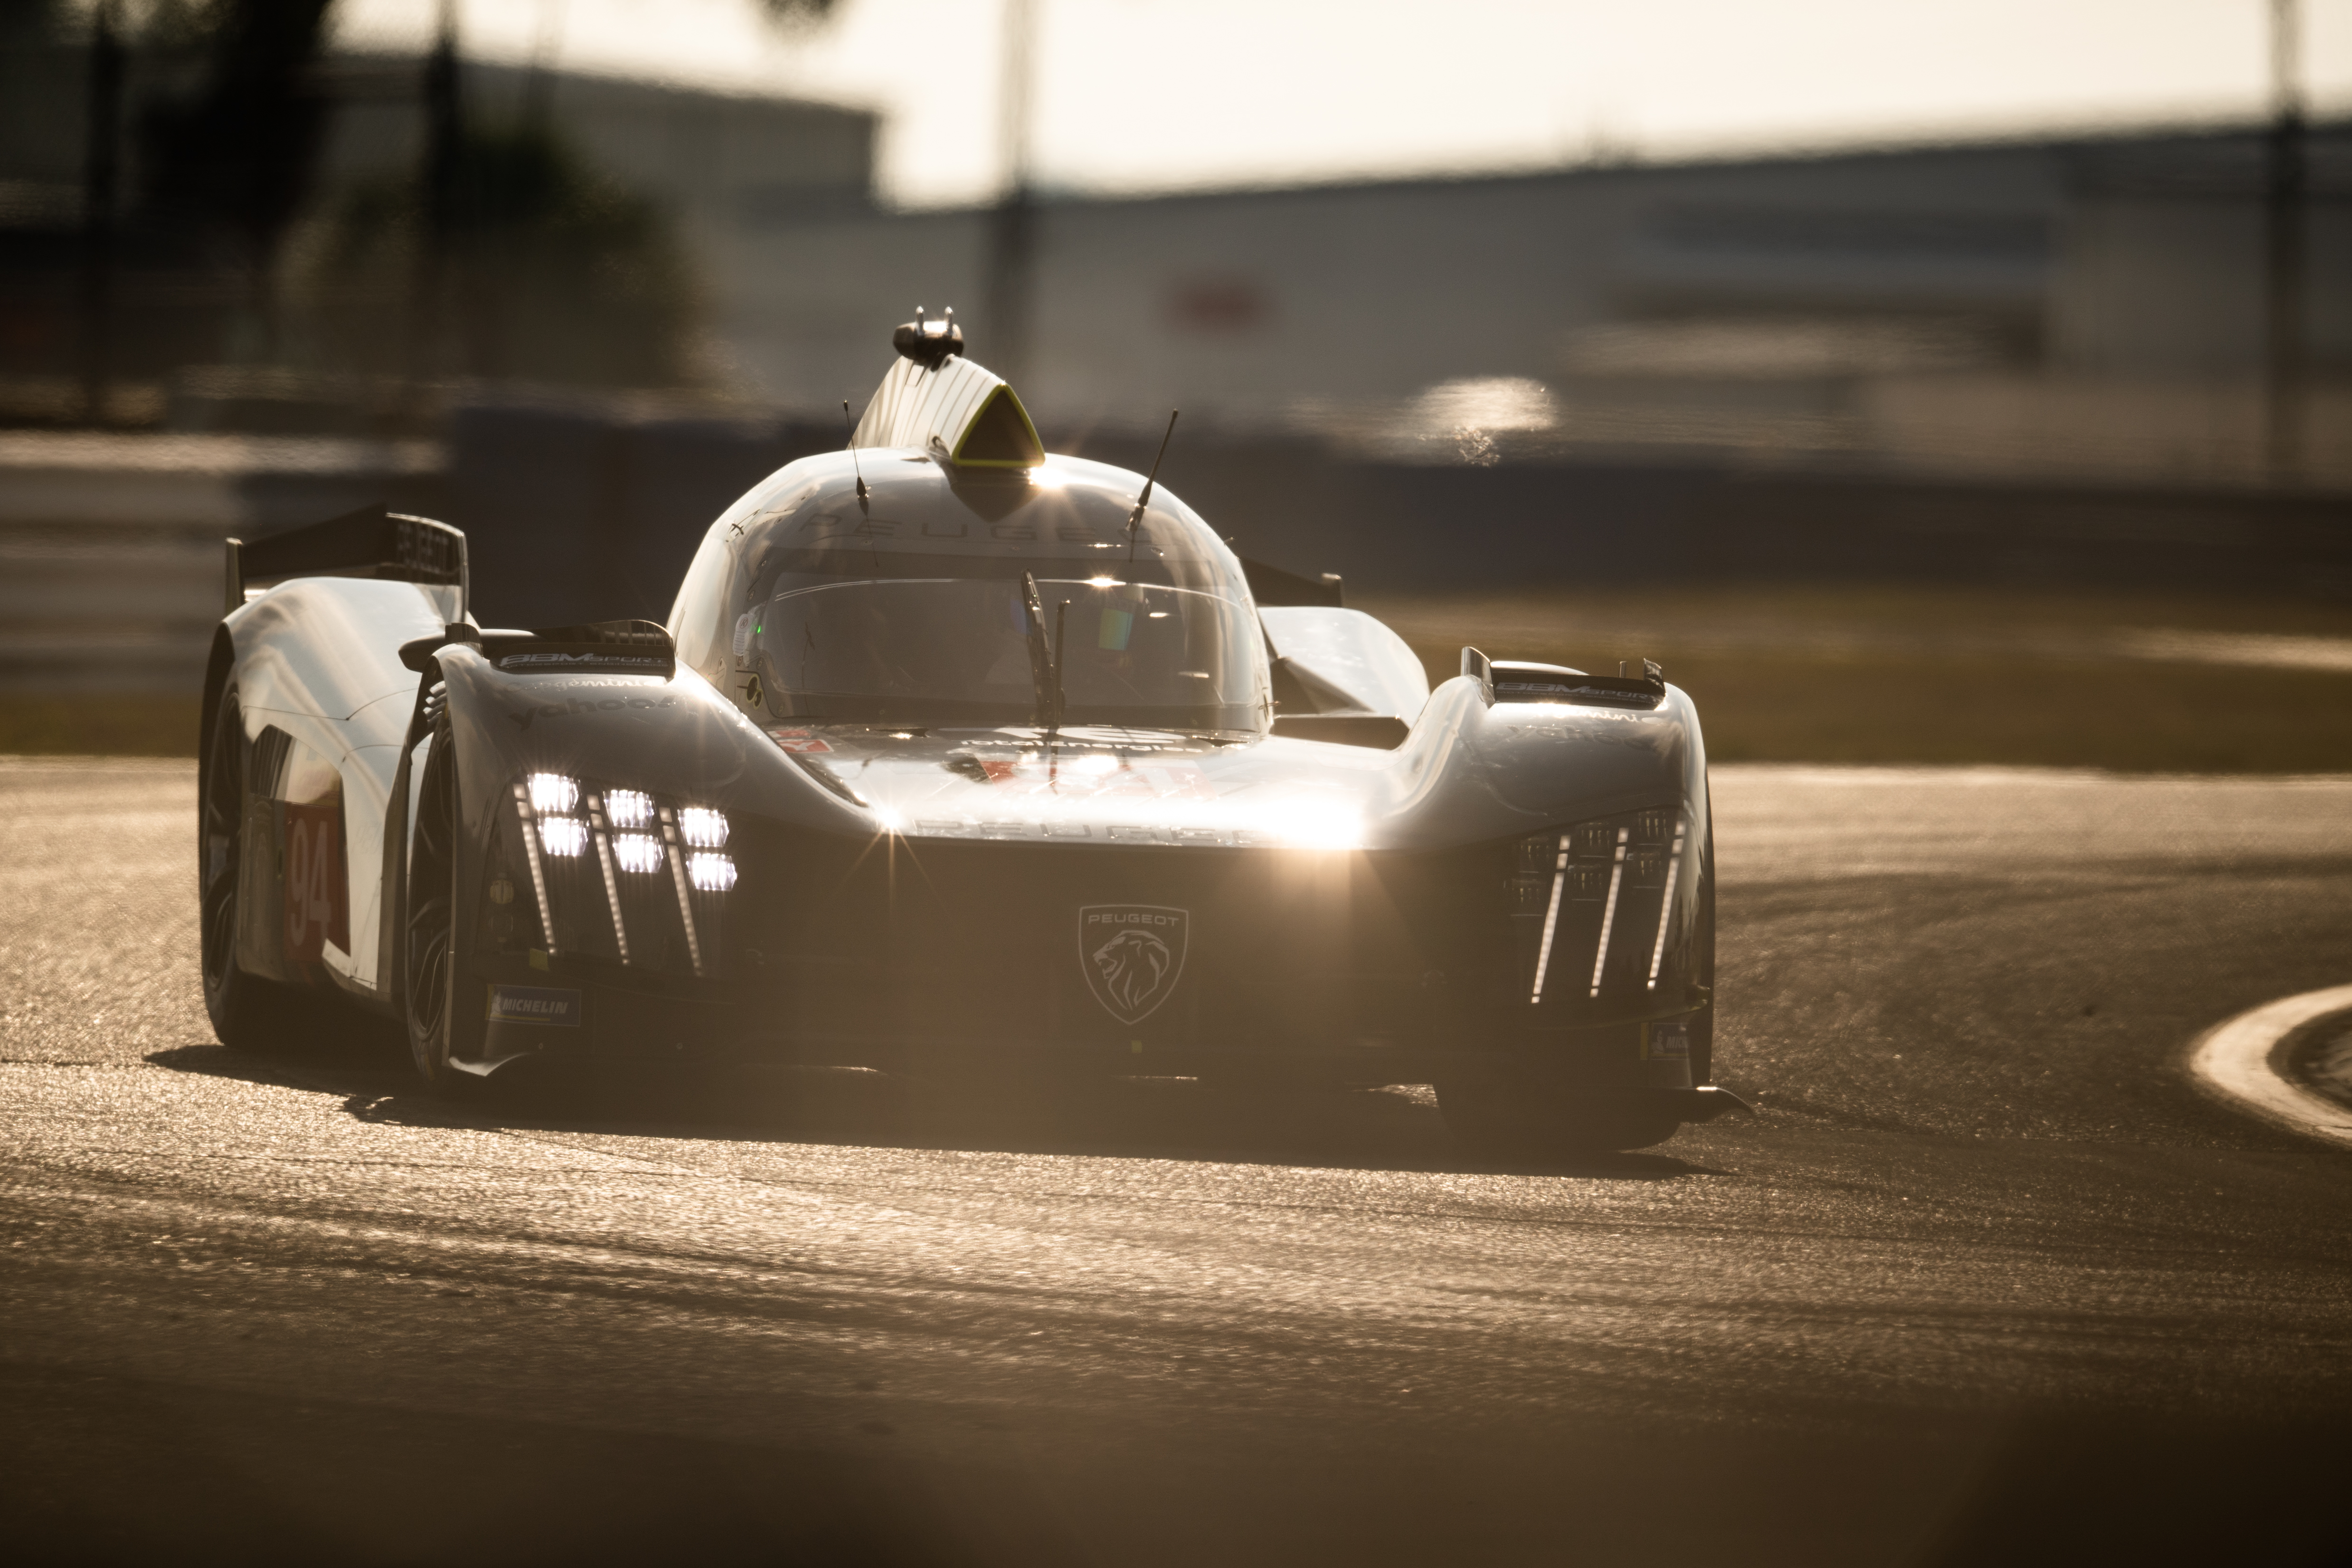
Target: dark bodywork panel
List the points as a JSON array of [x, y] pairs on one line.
[[912, 895]]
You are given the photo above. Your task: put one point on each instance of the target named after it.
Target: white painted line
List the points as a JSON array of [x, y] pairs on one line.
[[2233, 1061]]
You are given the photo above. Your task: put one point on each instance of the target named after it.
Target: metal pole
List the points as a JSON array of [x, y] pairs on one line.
[[2284, 252], [1012, 237], [102, 163], [437, 195]]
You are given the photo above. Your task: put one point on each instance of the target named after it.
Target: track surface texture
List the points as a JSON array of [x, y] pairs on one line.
[[1986, 1280]]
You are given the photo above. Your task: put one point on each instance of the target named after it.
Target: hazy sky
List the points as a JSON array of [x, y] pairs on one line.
[[1138, 95]]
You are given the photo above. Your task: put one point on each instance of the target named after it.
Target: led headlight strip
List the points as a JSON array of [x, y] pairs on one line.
[[1551, 919], [1666, 901], [526, 792], [678, 876], [600, 827], [1609, 912]]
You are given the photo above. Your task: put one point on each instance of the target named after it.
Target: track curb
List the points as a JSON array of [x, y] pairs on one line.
[[2238, 1061]]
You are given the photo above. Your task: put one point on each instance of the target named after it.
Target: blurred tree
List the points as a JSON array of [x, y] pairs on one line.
[[543, 269], [548, 272], [796, 14], [230, 165], [28, 21]]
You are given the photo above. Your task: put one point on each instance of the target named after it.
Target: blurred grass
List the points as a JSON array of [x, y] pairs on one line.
[[1814, 674], [2150, 718], [1876, 675], [100, 725]]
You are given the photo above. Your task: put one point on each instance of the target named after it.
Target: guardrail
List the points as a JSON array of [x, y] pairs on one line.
[[110, 544]]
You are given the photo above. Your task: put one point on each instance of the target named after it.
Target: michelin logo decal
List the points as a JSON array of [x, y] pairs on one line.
[[534, 1005]]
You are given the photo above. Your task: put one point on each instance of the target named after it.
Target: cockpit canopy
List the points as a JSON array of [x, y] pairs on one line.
[[809, 604]]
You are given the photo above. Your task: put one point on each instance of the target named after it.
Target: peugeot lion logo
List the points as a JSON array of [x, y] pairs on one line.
[[1132, 955]]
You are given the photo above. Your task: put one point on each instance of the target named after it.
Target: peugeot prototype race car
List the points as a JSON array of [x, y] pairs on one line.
[[954, 752]]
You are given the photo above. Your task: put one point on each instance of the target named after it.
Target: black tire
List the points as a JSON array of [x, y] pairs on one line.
[[443, 1003], [1507, 1116], [248, 1013]]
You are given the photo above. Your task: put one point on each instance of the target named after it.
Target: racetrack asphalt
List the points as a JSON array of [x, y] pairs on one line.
[[1986, 1278]]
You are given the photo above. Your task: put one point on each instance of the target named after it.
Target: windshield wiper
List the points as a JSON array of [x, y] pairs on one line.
[[1061, 615], [1045, 665]]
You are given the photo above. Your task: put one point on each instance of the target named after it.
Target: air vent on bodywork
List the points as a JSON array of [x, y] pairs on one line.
[[1001, 436], [599, 648], [1517, 680]]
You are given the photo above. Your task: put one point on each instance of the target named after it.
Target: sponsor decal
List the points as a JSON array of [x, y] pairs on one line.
[[584, 660], [1616, 699], [534, 1005], [1132, 955], [1087, 777], [314, 884], [1666, 1042], [317, 906], [805, 741], [523, 718]]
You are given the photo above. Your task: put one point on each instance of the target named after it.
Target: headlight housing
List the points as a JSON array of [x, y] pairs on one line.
[[1603, 910], [623, 873]]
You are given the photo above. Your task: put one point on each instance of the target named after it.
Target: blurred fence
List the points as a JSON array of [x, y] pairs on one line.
[[580, 514], [110, 562]]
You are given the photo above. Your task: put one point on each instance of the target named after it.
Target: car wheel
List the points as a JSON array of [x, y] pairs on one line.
[[444, 1005], [248, 1013], [1506, 1116]]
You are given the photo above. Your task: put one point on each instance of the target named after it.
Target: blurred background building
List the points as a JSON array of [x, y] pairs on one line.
[[577, 314], [2090, 310]]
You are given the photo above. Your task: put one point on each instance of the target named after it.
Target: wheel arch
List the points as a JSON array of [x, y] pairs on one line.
[[219, 666]]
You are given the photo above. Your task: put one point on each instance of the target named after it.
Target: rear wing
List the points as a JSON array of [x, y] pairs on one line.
[[369, 542]]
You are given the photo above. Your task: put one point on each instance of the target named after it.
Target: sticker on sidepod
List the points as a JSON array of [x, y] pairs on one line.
[[534, 1005], [1666, 1042], [800, 740]]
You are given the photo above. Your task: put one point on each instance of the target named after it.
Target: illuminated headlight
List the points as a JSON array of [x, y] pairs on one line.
[[636, 851], [710, 873], [564, 835], [703, 827], [629, 807], [1594, 840], [1533, 856], [553, 791], [1600, 905]]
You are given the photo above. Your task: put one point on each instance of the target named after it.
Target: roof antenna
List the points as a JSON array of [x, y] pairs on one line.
[[1135, 517], [854, 465]]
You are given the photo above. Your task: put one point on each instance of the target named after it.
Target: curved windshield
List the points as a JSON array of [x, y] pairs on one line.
[[941, 650]]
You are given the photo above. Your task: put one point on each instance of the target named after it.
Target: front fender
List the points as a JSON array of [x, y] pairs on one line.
[[1477, 770], [677, 737], [1577, 931]]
